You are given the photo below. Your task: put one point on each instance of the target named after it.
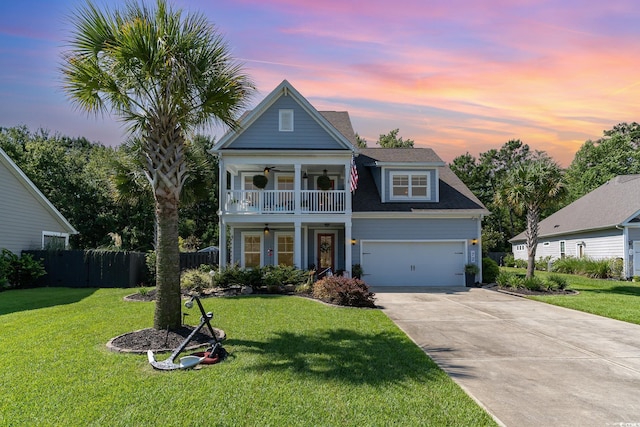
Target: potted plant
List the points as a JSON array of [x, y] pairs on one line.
[[260, 181], [470, 271], [324, 182]]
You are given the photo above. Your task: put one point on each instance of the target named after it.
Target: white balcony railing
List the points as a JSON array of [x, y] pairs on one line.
[[284, 201]]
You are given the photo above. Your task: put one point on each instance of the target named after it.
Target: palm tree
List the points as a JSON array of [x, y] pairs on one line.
[[163, 74], [531, 187]]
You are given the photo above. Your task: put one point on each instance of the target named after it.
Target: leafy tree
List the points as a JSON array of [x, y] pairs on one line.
[[69, 173], [361, 142], [391, 140], [164, 74], [484, 176], [529, 188], [596, 162]]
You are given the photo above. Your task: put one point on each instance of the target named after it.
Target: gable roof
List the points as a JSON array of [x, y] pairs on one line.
[[35, 192], [336, 124], [614, 203], [454, 195]]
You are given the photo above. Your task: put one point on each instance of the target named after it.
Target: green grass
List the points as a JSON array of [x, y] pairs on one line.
[[609, 298], [292, 361]]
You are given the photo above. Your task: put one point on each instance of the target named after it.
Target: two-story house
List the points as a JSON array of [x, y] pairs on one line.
[[325, 204]]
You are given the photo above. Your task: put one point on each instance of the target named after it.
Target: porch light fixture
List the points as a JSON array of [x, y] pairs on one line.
[[354, 241], [266, 229], [305, 176], [474, 242]]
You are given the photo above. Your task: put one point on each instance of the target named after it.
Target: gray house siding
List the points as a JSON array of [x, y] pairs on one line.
[[23, 217], [414, 229], [306, 134], [596, 244]]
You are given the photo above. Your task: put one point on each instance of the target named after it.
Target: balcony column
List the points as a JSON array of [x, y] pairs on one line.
[[297, 186], [222, 226], [347, 190]]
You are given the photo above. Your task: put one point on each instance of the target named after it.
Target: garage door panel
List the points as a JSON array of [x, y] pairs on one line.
[[413, 263]]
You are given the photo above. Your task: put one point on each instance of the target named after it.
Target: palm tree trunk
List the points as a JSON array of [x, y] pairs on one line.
[[168, 303], [533, 218], [166, 170]]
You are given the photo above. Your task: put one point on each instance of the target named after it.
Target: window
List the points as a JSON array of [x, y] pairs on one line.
[[284, 249], [54, 241], [286, 121], [562, 249], [410, 185], [285, 182], [520, 248], [247, 182], [251, 250]]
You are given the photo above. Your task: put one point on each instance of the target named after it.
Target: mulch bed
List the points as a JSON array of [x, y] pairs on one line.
[[162, 340]]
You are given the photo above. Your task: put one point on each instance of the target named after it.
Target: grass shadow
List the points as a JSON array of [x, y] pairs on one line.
[[344, 355], [15, 300]]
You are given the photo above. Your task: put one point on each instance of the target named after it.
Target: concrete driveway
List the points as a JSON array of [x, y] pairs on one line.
[[527, 363]]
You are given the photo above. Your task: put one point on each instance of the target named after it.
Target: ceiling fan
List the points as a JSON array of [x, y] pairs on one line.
[[268, 169]]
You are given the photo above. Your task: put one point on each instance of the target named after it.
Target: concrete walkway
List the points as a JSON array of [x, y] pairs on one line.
[[527, 363]]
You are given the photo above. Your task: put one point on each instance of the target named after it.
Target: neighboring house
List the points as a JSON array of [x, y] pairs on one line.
[[27, 219], [410, 221], [604, 223]]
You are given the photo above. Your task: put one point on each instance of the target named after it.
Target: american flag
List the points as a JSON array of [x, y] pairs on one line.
[[354, 175]]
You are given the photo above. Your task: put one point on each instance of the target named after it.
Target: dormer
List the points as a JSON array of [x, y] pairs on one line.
[[405, 175]]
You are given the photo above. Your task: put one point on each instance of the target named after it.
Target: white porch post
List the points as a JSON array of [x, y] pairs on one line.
[[348, 248], [297, 244]]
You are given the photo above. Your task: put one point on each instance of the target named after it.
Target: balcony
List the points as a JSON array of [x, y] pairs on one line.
[[285, 202]]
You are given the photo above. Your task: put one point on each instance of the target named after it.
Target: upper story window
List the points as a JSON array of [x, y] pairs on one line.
[[410, 186], [286, 121]]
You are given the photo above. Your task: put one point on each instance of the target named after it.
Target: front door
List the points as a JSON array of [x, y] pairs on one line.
[[326, 251]]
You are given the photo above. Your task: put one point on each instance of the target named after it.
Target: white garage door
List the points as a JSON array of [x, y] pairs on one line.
[[413, 263]]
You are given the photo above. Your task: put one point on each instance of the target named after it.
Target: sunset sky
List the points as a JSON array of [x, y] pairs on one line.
[[457, 75]]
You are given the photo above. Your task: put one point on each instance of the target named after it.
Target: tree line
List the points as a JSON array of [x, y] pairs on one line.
[[102, 191], [521, 187]]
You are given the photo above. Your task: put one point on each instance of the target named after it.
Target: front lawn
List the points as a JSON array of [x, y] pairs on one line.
[[609, 298], [293, 361]]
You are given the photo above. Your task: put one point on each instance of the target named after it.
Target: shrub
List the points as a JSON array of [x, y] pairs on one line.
[[194, 280], [533, 283], [542, 264], [517, 281], [616, 266], [16, 271], [150, 260], [508, 260], [597, 269], [520, 263], [503, 280], [357, 271], [490, 270], [567, 265], [343, 291], [556, 282], [229, 276]]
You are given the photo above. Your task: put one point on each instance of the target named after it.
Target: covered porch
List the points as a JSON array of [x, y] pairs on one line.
[[320, 246]]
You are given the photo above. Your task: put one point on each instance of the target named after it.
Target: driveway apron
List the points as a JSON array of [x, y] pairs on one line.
[[527, 363]]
